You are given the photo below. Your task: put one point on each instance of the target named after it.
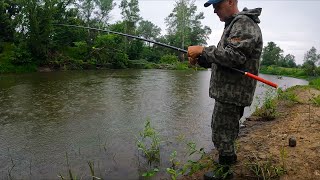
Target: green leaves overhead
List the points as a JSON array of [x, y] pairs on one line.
[[130, 14], [95, 10], [148, 30], [184, 26]]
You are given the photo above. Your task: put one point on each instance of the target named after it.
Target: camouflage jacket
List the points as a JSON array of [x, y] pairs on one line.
[[240, 47]]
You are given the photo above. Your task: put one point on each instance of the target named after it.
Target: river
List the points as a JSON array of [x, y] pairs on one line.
[[50, 122]]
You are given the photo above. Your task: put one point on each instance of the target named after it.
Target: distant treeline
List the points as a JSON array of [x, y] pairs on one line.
[[274, 62]]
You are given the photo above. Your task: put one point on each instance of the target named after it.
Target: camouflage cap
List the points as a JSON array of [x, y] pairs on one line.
[[211, 2]]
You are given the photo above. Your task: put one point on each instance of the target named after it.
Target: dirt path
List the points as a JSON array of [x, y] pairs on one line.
[[265, 144]]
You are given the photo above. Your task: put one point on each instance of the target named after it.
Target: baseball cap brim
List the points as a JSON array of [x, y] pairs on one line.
[[211, 2]]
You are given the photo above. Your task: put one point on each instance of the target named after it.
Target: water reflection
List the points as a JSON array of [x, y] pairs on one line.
[[47, 118]]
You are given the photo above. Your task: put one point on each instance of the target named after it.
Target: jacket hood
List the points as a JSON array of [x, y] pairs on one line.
[[252, 13]]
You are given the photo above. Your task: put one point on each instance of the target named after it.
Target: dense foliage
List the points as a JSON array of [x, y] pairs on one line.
[[31, 38]]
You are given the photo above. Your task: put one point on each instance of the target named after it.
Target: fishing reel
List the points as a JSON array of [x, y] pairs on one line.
[[203, 62]]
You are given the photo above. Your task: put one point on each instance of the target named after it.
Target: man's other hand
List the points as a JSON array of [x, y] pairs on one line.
[[194, 51]]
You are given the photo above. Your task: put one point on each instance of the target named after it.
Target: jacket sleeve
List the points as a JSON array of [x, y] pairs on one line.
[[240, 43]]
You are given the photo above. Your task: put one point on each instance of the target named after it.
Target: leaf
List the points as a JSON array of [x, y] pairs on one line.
[[156, 170]]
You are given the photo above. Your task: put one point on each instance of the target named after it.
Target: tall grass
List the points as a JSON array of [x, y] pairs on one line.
[[315, 83]]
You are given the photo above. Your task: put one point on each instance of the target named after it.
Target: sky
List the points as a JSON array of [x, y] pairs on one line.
[[292, 24]]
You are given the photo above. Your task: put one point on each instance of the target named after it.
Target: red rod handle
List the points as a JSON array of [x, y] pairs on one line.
[[261, 79]]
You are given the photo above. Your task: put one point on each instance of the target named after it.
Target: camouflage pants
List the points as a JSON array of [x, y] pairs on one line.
[[225, 127]]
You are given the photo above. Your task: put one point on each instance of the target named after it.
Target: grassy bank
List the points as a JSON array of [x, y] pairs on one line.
[[282, 71]]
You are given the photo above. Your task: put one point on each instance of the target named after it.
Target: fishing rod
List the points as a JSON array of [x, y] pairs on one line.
[[250, 75]]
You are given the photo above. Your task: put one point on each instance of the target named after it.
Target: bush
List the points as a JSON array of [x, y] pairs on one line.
[[21, 56], [120, 61], [10, 61], [79, 50], [151, 55], [169, 59]]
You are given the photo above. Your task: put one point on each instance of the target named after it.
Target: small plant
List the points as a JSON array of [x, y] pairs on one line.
[[71, 175], [149, 144], [174, 171], [150, 173], [193, 166], [222, 171], [316, 100], [92, 172], [268, 109], [266, 169]]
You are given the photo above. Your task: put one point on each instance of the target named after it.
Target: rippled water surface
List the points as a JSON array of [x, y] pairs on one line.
[[50, 119]]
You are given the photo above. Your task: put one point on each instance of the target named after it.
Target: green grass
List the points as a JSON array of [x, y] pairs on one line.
[[282, 71], [268, 169], [315, 83]]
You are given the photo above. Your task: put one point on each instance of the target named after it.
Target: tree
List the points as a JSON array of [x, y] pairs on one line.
[[130, 14], [63, 36], [36, 26], [287, 61], [184, 25], [290, 60], [148, 30], [95, 11], [271, 54], [312, 56], [8, 10], [310, 60]]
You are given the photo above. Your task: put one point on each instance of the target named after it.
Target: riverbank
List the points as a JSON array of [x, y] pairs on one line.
[[263, 145]]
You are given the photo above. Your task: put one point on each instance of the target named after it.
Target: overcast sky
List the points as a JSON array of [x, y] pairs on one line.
[[291, 24]]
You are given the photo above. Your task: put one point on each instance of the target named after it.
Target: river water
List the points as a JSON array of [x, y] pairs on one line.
[[50, 122]]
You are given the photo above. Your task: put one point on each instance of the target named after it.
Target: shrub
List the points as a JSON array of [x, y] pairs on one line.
[[21, 56], [169, 59], [79, 50], [120, 60]]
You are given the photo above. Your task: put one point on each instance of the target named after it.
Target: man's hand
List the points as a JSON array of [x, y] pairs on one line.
[[195, 51], [192, 61]]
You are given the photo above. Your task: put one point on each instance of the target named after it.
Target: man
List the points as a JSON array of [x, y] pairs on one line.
[[240, 47]]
